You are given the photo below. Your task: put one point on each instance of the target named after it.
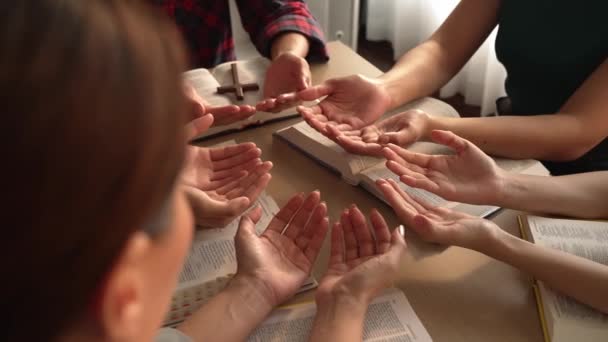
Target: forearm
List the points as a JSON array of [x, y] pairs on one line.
[[430, 65], [580, 195], [582, 279], [290, 42], [418, 73], [231, 315], [556, 137], [339, 320]]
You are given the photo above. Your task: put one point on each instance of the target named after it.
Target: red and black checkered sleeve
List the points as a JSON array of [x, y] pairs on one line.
[[264, 20]]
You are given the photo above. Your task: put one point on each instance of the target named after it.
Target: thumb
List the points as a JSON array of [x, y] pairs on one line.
[[316, 92], [248, 222], [402, 138], [198, 126], [450, 140], [302, 83], [425, 228], [398, 244]]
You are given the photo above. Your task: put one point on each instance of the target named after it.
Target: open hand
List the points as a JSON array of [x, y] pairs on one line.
[[283, 256], [361, 263], [468, 176], [288, 73], [436, 224], [402, 129], [222, 182], [223, 115], [354, 100]]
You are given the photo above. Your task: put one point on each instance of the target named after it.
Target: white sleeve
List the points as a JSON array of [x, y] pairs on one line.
[[171, 335]]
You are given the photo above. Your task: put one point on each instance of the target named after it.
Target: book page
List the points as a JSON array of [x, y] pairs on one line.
[[326, 152], [356, 162], [380, 171], [250, 71], [211, 263], [206, 86], [212, 253], [587, 239], [389, 317]]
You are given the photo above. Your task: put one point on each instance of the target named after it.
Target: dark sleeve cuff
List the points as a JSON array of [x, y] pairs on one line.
[[307, 26]]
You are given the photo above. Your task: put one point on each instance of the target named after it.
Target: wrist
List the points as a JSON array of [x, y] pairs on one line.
[[253, 291], [391, 89], [492, 238], [342, 303], [431, 123], [289, 43], [507, 185], [342, 296]]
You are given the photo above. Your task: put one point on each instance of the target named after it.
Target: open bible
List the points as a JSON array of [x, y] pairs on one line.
[[211, 263], [206, 82], [365, 170], [389, 317], [563, 318]]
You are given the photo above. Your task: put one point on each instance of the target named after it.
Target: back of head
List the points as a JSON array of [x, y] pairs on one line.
[[91, 145]]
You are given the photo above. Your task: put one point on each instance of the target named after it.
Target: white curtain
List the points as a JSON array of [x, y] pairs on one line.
[[406, 23]]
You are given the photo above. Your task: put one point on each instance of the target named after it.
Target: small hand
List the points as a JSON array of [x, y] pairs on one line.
[[402, 129], [283, 256], [288, 73], [468, 176], [361, 263], [223, 182], [436, 224], [223, 115], [354, 100]]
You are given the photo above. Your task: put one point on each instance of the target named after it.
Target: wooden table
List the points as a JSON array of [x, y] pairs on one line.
[[459, 295]]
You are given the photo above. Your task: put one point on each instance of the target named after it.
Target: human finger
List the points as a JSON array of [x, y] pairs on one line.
[[237, 159], [282, 218], [403, 209], [450, 140], [350, 241], [223, 152], [298, 223], [230, 172], [420, 159], [198, 126], [363, 235], [381, 232], [337, 245], [316, 92]]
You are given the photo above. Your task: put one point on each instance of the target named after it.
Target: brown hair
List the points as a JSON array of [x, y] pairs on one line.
[[91, 142]]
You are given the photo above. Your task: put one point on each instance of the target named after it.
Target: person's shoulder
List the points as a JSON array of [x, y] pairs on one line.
[[171, 335]]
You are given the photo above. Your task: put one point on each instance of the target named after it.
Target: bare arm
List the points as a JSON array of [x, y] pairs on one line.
[[574, 276], [582, 279], [231, 315], [471, 176], [339, 320], [578, 126], [580, 195], [430, 65]]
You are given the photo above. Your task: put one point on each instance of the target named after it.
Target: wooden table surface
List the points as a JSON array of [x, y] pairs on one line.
[[459, 295]]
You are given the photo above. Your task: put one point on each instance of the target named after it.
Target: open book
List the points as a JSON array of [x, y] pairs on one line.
[[365, 170], [253, 70], [389, 317], [564, 318], [211, 263]]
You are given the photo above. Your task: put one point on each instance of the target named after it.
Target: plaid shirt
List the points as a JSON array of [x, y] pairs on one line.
[[205, 25]]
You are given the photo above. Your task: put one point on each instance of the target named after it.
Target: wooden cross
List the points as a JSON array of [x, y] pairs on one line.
[[237, 87]]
